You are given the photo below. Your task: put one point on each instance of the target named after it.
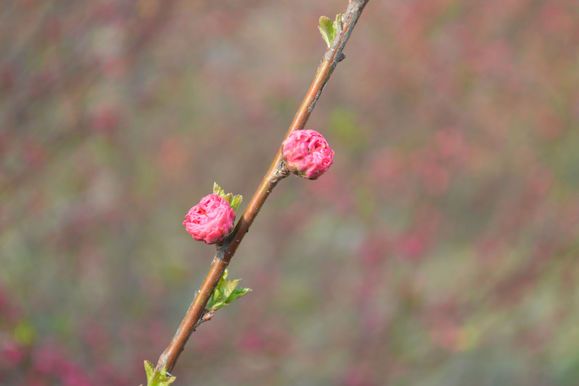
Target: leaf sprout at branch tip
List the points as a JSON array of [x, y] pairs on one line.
[[330, 29], [157, 378]]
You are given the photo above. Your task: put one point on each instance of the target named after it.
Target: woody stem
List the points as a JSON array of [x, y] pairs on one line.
[[274, 174]]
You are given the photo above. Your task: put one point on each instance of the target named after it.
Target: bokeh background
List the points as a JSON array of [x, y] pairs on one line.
[[440, 249]]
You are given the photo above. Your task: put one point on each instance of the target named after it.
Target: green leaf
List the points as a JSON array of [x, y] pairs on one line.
[[215, 302], [225, 293], [218, 189], [330, 29], [326, 28], [149, 370], [157, 378], [236, 201], [237, 293], [229, 287], [217, 306], [233, 200]]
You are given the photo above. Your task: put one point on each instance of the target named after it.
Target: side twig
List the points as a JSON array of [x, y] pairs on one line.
[[196, 314]]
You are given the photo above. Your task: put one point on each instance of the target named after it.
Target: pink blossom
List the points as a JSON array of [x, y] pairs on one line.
[[12, 352], [210, 220], [307, 153]]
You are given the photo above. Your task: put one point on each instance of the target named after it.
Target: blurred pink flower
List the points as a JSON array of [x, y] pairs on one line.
[[307, 153], [12, 352], [210, 220], [411, 245], [73, 375], [47, 359]]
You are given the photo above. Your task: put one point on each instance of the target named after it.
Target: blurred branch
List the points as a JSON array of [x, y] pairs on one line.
[[274, 174]]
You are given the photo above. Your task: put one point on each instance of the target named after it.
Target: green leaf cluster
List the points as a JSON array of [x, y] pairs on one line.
[[233, 200], [330, 29], [225, 293], [157, 378]]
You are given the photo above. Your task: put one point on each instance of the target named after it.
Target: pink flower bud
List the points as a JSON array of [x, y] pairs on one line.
[[307, 153], [210, 220]]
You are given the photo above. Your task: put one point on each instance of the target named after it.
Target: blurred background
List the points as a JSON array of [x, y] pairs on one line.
[[440, 249]]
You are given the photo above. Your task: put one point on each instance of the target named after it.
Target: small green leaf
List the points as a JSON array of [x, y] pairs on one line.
[[229, 287], [218, 189], [149, 370], [215, 301], [167, 380], [216, 306], [157, 378], [233, 200], [236, 201], [225, 293], [237, 293], [330, 29], [210, 306], [326, 28]]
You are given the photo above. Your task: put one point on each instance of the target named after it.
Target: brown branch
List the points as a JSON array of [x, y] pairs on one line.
[[275, 173]]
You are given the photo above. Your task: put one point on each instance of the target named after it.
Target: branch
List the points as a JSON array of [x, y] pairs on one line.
[[196, 313]]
